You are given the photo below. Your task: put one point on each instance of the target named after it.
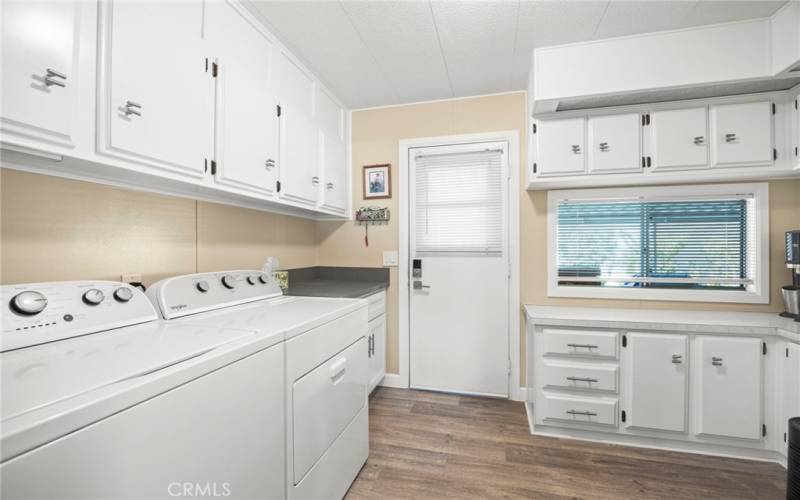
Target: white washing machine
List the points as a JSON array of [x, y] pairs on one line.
[[326, 371], [102, 400]]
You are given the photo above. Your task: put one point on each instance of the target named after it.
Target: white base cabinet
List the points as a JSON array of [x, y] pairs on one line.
[[376, 339], [682, 390]]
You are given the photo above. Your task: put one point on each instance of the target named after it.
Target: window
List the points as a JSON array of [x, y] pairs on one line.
[[459, 201], [704, 243]]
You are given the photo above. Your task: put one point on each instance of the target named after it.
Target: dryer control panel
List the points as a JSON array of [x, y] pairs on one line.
[[36, 313], [195, 293]]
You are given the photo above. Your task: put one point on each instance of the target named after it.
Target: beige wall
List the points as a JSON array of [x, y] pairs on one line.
[[58, 229], [376, 134]]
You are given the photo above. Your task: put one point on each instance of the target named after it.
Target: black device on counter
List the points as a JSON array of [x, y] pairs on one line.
[[791, 293]]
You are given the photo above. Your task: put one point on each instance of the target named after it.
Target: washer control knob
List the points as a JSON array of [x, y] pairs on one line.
[[252, 279], [263, 279], [229, 281], [202, 286], [28, 303], [93, 297], [123, 294]]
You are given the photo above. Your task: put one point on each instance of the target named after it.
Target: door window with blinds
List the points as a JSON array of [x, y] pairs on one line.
[[458, 201], [670, 243]]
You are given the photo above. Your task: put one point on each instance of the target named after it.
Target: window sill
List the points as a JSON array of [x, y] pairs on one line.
[[753, 296]]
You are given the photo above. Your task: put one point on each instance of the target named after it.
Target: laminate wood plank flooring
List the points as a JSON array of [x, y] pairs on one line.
[[426, 445]]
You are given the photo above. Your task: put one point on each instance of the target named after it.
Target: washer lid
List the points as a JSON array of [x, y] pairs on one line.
[[35, 377]]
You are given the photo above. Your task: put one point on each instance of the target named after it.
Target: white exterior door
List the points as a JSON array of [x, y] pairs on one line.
[[158, 106], [458, 293], [247, 118], [741, 134], [615, 143], [560, 147], [655, 368], [39, 68], [680, 139], [728, 386]]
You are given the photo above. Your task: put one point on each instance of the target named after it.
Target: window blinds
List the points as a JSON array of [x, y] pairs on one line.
[[458, 202], [675, 243]]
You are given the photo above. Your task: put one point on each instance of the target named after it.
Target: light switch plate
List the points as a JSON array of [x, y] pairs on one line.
[[390, 258]]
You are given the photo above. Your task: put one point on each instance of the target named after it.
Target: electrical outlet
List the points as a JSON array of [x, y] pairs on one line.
[[390, 258], [131, 278]]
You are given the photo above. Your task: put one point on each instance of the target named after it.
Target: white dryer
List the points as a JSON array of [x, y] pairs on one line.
[[326, 370], [102, 400]]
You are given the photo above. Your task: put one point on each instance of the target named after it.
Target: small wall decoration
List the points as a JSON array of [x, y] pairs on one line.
[[371, 215], [377, 181]]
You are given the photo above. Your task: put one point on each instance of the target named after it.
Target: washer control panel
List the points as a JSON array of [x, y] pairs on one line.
[[194, 293], [43, 312]]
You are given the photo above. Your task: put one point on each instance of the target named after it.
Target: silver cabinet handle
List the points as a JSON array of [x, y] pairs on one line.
[[576, 149], [604, 147], [315, 180], [269, 164], [587, 413], [730, 137], [699, 140], [50, 78], [716, 361], [677, 358], [330, 186], [582, 379], [131, 108], [585, 346]]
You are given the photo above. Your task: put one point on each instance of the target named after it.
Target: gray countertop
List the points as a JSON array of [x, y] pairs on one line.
[[344, 282]]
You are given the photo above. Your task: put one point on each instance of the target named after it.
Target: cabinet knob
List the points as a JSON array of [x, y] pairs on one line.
[[699, 140], [576, 149], [269, 164], [132, 107], [54, 77], [716, 361], [731, 138], [677, 358], [330, 186], [604, 147], [315, 180]]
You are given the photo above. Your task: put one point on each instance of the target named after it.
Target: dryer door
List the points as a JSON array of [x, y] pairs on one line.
[[325, 400]]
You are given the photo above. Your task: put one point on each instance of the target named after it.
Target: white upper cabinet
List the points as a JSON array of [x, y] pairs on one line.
[[246, 109], [729, 379], [741, 134], [615, 143], [796, 130], [40, 45], [333, 153], [156, 90], [679, 139], [560, 147], [655, 368], [299, 136]]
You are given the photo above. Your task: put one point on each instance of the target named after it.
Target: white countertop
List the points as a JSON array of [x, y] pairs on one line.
[[742, 323]]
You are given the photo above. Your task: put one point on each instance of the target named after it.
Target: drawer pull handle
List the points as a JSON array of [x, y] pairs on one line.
[[586, 413], [582, 379], [337, 370], [585, 346]]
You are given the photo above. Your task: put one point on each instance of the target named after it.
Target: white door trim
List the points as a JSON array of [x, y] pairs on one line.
[[401, 379]]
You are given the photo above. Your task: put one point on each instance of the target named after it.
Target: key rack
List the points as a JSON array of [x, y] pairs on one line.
[[371, 215]]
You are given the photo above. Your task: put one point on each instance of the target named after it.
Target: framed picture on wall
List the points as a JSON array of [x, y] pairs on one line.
[[377, 181]]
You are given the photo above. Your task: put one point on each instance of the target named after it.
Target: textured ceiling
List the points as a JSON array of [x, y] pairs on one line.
[[375, 53]]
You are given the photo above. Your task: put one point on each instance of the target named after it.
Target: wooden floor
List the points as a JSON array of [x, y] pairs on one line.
[[430, 445]]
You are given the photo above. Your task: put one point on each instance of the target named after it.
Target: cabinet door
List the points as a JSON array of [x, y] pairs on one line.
[[790, 389], [560, 147], [377, 359], [655, 372], [246, 110], [741, 134], [333, 153], [156, 90], [40, 44], [796, 130], [680, 139], [299, 137], [728, 388], [615, 143]]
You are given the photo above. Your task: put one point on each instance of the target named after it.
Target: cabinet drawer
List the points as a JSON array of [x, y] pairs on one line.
[[566, 375], [586, 343], [587, 410], [377, 305]]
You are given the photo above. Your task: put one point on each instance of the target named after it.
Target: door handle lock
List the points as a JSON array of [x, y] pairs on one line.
[[419, 286]]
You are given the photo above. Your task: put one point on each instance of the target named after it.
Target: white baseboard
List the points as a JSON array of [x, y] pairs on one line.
[[393, 380]]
